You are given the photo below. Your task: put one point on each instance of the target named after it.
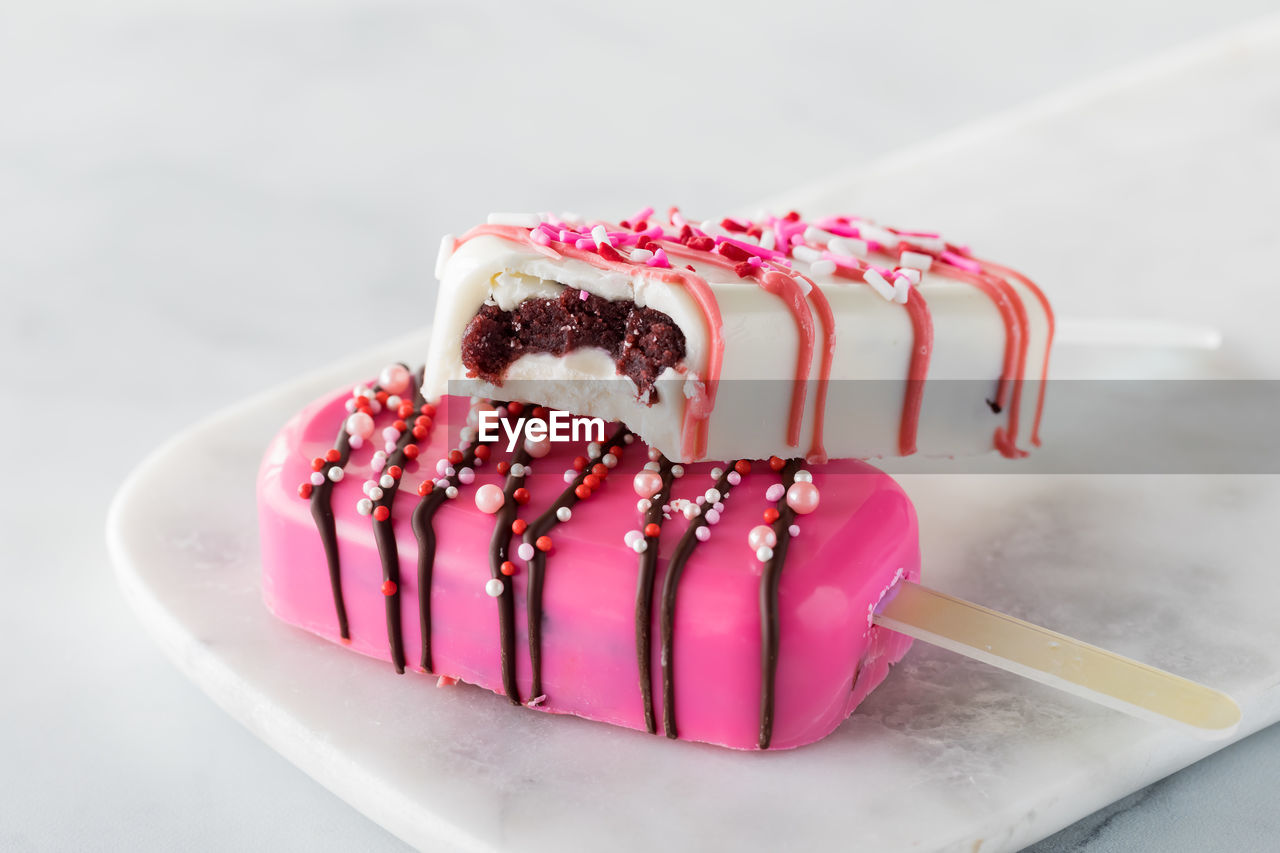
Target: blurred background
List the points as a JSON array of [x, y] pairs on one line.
[[202, 200]]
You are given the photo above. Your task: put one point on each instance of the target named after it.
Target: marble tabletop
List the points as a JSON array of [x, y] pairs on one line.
[[192, 193]]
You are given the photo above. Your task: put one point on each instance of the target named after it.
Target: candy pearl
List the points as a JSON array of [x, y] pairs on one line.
[[703, 533], [640, 546], [564, 513], [716, 473], [466, 476], [631, 537], [570, 475], [762, 535], [390, 434], [677, 471], [493, 587], [803, 497], [764, 553], [538, 449], [317, 479], [719, 505], [713, 516], [355, 442], [775, 492], [654, 454], [489, 498], [441, 466], [525, 551], [794, 530], [389, 447], [448, 471], [692, 511], [335, 474], [350, 404], [364, 506], [609, 460], [652, 466], [593, 449], [712, 496], [643, 504], [361, 424], [375, 494], [387, 481], [734, 478], [375, 406], [394, 378], [517, 470], [451, 492], [393, 402], [647, 483], [804, 477]]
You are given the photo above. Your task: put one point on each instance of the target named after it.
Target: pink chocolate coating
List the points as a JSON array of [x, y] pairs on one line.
[[847, 553]]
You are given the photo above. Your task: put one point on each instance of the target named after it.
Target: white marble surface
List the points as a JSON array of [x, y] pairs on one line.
[[161, 165]]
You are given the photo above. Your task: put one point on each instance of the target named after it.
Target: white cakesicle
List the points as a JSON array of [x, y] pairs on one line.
[[752, 416]]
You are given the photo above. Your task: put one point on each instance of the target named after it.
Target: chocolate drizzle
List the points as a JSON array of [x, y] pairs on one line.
[[385, 537], [769, 606], [538, 564], [644, 595], [670, 584], [423, 529], [499, 545]]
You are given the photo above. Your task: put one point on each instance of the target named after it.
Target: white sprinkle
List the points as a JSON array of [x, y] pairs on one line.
[[448, 471], [520, 220], [916, 260], [805, 286], [631, 537], [593, 449], [387, 481], [703, 533], [713, 516], [677, 471], [768, 240], [351, 405], [876, 234], [466, 435], [389, 447], [822, 267], [775, 492], [794, 530], [493, 587], [375, 494], [335, 474], [441, 466], [355, 442], [564, 513], [466, 476], [803, 476], [692, 511], [628, 439], [451, 492], [901, 289], [848, 247], [717, 473], [734, 478], [804, 253], [609, 460], [712, 495], [814, 234], [364, 506], [536, 701], [600, 236], [929, 244], [443, 255], [643, 504], [639, 256], [442, 483], [718, 506], [640, 546], [570, 475], [517, 470], [881, 286], [764, 553], [525, 551], [652, 466], [317, 478]]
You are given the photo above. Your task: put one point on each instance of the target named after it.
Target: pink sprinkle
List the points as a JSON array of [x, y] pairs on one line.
[[642, 215], [540, 237], [584, 243], [961, 262], [752, 249], [582, 294], [653, 232], [676, 219], [755, 261], [659, 259], [567, 236]]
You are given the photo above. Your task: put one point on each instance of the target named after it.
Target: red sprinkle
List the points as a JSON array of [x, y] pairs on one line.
[[381, 397], [425, 487], [519, 526], [776, 463], [515, 407], [382, 513], [792, 216], [504, 467], [686, 233], [732, 252], [742, 466], [732, 225], [317, 464], [428, 410], [388, 588], [608, 252], [755, 231], [419, 432], [600, 470], [482, 451], [521, 495], [580, 463], [771, 515], [332, 455], [455, 457], [405, 411], [591, 481], [541, 413], [616, 450], [582, 491], [395, 471], [400, 426], [652, 530], [644, 242], [543, 543], [304, 491], [702, 244], [743, 270], [363, 404], [411, 451], [642, 225], [508, 568]]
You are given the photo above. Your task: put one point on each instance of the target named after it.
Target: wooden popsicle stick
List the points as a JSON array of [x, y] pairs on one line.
[[1056, 660]]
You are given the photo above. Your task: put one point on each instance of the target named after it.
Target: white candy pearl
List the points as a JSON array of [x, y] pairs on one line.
[[441, 466], [375, 494], [677, 471], [717, 473], [364, 506], [389, 447], [564, 513], [336, 474], [712, 496], [764, 553], [609, 460], [593, 449], [643, 504], [734, 478], [628, 439], [317, 479], [654, 454], [692, 511], [390, 434], [775, 492], [394, 401], [804, 477], [525, 551], [794, 530], [451, 492], [652, 466], [703, 533], [493, 587], [713, 516], [517, 470], [387, 481], [355, 442], [466, 476], [570, 475], [631, 537], [640, 546]]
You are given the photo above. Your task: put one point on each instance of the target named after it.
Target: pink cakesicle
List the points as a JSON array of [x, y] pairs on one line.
[[549, 580]]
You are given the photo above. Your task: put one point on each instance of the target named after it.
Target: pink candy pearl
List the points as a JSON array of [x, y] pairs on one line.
[[489, 498], [647, 483], [538, 449], [761, 535], [360, 424], [394, 378], [803, 497]]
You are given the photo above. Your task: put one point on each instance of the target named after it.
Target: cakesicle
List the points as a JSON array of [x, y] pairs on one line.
[[729, 603], [836, 338]]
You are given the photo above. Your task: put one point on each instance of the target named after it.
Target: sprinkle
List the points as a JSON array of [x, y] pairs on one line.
[[762, 534], [734, 478], [916, 260], [570, 475], [767, 240], [387, 481], [775, 492], [640, 256], [901, 289], [803, 477], [822, 267], [525, 551], [878, 282], [519, 526], [450, 492], [446, 681], [717, 473], [640, 546], [692, 510], [493, 587], [712, 496], [317, 479], [848, 247], [677, 471], [388, 588], [593, 449], [600, 236], [659, 259], [304, 490], [508, 568], [764, 553], [381, 513], [466, 476], [702, 533], [609, 460], [564, 513], [335, 474], [520, 220], [517, 470], [713, 516], [817, 235], [631, 537], [521, 496], [583, 491], [364, 506], [374, 492], [794, 530], [771, 515], [536, 701]]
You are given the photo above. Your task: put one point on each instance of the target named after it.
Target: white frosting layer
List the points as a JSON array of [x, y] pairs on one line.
[[874, 339]]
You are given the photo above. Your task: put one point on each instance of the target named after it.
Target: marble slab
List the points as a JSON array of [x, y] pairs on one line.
[[948, 755]]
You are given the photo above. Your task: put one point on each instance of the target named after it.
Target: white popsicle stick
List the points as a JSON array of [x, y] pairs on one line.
[[1115, 332], [1056, 660]]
